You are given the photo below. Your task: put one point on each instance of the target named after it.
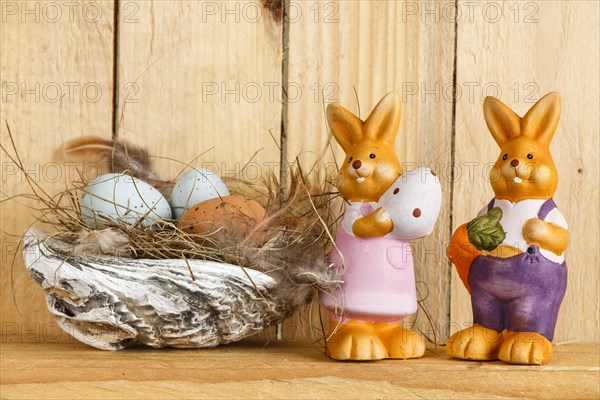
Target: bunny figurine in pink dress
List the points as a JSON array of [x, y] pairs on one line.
[[386, 209]]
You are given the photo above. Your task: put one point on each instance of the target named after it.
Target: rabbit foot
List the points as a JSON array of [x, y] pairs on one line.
[[355, 340], [525, 348], [400, 343], [474, 343]]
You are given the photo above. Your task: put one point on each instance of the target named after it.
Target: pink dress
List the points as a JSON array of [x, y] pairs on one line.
[[378, 275]]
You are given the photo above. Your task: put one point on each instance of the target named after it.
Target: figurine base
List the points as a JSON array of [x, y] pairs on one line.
[[364, 341], [482, 344]]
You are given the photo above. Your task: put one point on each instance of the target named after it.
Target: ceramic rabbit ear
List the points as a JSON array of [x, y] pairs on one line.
[[384, 121], [502, 122], [541, 120], [347, 128]]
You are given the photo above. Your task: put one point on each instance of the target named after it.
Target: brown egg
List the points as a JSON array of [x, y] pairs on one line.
[[228, 219]]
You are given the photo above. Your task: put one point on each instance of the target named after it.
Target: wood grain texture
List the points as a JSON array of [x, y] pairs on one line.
[[555, 51], [204, 77], [283, 372], [56, 83], [375, 47]]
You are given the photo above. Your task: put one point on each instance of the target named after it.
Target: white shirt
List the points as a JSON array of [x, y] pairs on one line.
[[514, 216]]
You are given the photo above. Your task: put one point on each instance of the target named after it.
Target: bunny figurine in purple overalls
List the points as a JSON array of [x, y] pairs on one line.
[[511, 257]]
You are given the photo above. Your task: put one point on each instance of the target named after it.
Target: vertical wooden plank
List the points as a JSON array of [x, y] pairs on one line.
[[204, 79], [531, 49], [376, 47], [203, 75], [56, 63]]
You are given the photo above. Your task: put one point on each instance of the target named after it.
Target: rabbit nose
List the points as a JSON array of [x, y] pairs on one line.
[[514, 163], [357, 164]]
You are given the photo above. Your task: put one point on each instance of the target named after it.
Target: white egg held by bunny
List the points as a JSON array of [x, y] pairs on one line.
[[123, 199], [194, 187], [413, 203]]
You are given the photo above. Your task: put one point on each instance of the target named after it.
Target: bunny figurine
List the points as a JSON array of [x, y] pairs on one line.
[[372, 244], [511, 257]]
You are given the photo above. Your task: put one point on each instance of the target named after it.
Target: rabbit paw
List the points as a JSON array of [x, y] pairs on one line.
[[533, 229], [355, 340], [376, 224], [474, 343], [546, 235], [525, 348], [400, 343]]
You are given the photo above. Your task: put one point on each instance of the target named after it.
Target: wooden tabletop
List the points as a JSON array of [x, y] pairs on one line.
[[277, 371]]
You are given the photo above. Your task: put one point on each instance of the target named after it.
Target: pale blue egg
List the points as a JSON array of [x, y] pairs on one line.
[[194, 187], [123, 199]]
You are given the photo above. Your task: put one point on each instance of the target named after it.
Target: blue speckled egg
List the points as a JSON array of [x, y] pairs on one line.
[[122, 198], [194, 187]]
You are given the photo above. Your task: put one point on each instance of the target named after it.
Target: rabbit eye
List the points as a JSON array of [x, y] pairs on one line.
[[505, 157], [530, 156], [349, 160], [371, 155]]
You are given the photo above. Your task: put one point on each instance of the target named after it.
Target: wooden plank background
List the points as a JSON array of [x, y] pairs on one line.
[[56, 77], [196, 76]]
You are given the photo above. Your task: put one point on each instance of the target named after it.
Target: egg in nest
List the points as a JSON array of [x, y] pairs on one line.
[[121, 198], [194, 187], [228, 219]]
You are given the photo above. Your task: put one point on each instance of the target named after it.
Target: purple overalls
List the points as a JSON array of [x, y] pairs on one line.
[[522, 293]]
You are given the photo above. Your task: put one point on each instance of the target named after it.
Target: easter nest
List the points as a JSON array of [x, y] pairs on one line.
[[129, 284]]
